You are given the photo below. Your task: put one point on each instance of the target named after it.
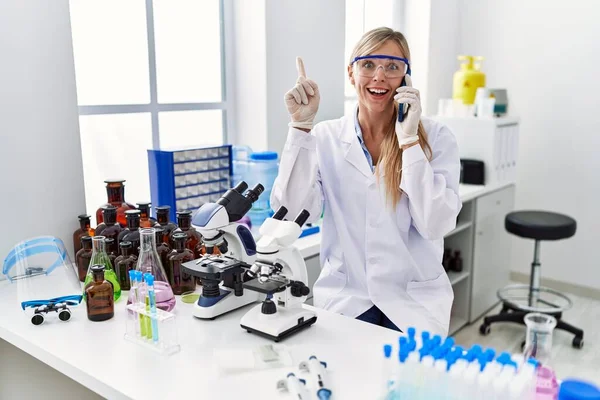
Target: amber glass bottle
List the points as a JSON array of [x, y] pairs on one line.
[[109, 228], [99, 293], [115, 191], [84, 230], [180, 281], [145, 220], [111, 250], [83, 257], [131, 233], [194, 239], [162, 248], [125, 262], [163, 219]]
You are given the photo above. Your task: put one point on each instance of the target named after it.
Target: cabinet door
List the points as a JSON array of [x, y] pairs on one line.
[[491, 258]]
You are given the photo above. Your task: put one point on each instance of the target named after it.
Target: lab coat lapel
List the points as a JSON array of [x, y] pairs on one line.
[[353, 152]]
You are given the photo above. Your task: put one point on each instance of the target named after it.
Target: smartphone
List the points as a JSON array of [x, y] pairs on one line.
[[401, 105]]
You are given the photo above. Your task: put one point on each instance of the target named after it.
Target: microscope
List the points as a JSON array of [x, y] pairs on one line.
[[280, 273], [230, 252]]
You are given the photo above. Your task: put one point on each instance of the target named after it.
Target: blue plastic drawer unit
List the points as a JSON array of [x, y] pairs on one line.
[[185, 179]]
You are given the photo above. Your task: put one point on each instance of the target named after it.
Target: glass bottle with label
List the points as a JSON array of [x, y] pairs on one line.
[[179, 280], [100, 257], [162, 248], [131, 233], [99, 295], [111, 250], [115, 191], [146, 221], [109, 228], [163, 218], [194, 238], [83, 257]]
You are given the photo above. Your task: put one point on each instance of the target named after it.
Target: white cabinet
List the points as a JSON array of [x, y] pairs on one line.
[[491, 250]]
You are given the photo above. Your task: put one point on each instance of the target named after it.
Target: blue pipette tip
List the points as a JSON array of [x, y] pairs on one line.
[[138, 276], [411, 332], [448, 343], [425, 336], [149, 279], [533, 362], [387, 350], [490, 354], [412, 345], [476, 349], [132, 274]]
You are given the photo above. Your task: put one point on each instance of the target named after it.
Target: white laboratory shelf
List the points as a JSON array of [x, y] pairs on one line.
[[459, 228], [456, 277]]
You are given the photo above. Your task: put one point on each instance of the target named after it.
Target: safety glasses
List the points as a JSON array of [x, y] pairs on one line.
[[393, 67]]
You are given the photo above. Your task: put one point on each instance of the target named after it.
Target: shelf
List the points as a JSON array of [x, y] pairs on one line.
[[459, 228], [456, 277], [456, 323]]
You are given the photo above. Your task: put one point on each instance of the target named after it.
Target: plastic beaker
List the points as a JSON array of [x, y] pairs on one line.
[[538, 344]]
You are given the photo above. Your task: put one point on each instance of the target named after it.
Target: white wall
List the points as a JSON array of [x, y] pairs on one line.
[[269, 34], [547, 55], [41, 172]]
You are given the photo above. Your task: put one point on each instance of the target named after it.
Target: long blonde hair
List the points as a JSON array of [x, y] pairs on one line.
[[391, 153]]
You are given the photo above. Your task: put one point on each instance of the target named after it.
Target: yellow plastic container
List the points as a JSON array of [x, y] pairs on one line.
[[468, 79]]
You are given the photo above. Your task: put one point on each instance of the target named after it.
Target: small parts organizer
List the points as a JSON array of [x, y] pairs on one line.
[[186, 179]]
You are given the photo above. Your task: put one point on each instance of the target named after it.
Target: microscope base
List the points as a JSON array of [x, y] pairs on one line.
[[227, 303], [285, 322]]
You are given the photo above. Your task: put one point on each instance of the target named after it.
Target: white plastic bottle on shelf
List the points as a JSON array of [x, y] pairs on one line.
[[262, 167]]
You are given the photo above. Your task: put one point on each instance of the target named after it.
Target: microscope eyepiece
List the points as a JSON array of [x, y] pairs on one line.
[[241, 187], [253, 193], [302, 217], [281, 212]]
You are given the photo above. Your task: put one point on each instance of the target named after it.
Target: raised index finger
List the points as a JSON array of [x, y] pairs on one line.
[[300, 67]]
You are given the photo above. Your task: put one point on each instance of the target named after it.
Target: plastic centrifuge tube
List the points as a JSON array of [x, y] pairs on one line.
[[133, 287], [152, 306], [138, 301]]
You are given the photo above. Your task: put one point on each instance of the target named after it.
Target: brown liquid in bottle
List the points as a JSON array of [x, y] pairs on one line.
[[84, 230], [115, 191], [83, 257], [162, 248], [131, 233], [99, 296], [109, 228], [180, 281], [163, 218], [145, 220], [125, 262], [111, 250], [194, 238]]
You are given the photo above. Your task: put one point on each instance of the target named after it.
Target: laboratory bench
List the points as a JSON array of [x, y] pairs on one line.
[[96, 355]]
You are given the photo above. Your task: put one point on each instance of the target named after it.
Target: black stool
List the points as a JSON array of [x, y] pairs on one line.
[[520, 300]]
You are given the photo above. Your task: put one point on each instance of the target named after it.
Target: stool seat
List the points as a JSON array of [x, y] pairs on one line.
[[540, 225]]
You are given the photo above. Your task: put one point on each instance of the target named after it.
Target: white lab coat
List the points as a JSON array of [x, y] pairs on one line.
[[370, 254]]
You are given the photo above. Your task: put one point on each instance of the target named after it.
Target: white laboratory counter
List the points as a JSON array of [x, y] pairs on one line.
[[96, 355]]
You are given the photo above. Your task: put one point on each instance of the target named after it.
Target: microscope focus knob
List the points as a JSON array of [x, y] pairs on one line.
[[268, 307], [299, 289]]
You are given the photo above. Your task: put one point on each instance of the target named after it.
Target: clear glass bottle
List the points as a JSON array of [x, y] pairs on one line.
[[149, 262], [180, 281], [99, 293], [83, 257], [162, 248], [109, 228], [100, 257], [84, 230], [163, 219], [124, 263], [146, 221], [194, 238], [115, 191], [131, 233]]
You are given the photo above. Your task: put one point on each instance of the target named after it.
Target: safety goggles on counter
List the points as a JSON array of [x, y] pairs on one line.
[[393, 67]]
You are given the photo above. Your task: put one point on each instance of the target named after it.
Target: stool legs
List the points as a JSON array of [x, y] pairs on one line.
[[534, 282]]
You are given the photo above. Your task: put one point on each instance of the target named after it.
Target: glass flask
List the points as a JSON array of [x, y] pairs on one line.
[[149, 262], [180, 281], [194, 238], [162, 248], [100, 257], [83, 257], [146, 221], [84, 230], [100, 302], [109, 228], [125, 262], [163, 219], [115, 192], [538, 343]]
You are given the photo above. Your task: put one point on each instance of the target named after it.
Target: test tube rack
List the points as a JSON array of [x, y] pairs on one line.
[[139, 329]]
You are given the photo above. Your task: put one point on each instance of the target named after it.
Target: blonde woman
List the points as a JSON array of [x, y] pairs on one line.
[[388, 191]]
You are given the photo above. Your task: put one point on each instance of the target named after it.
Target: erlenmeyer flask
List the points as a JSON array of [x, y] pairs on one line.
[[540, 328], [149, 262], [100, 257]]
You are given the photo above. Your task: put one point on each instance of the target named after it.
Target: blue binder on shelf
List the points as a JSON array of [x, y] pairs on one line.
[[187, 178]]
